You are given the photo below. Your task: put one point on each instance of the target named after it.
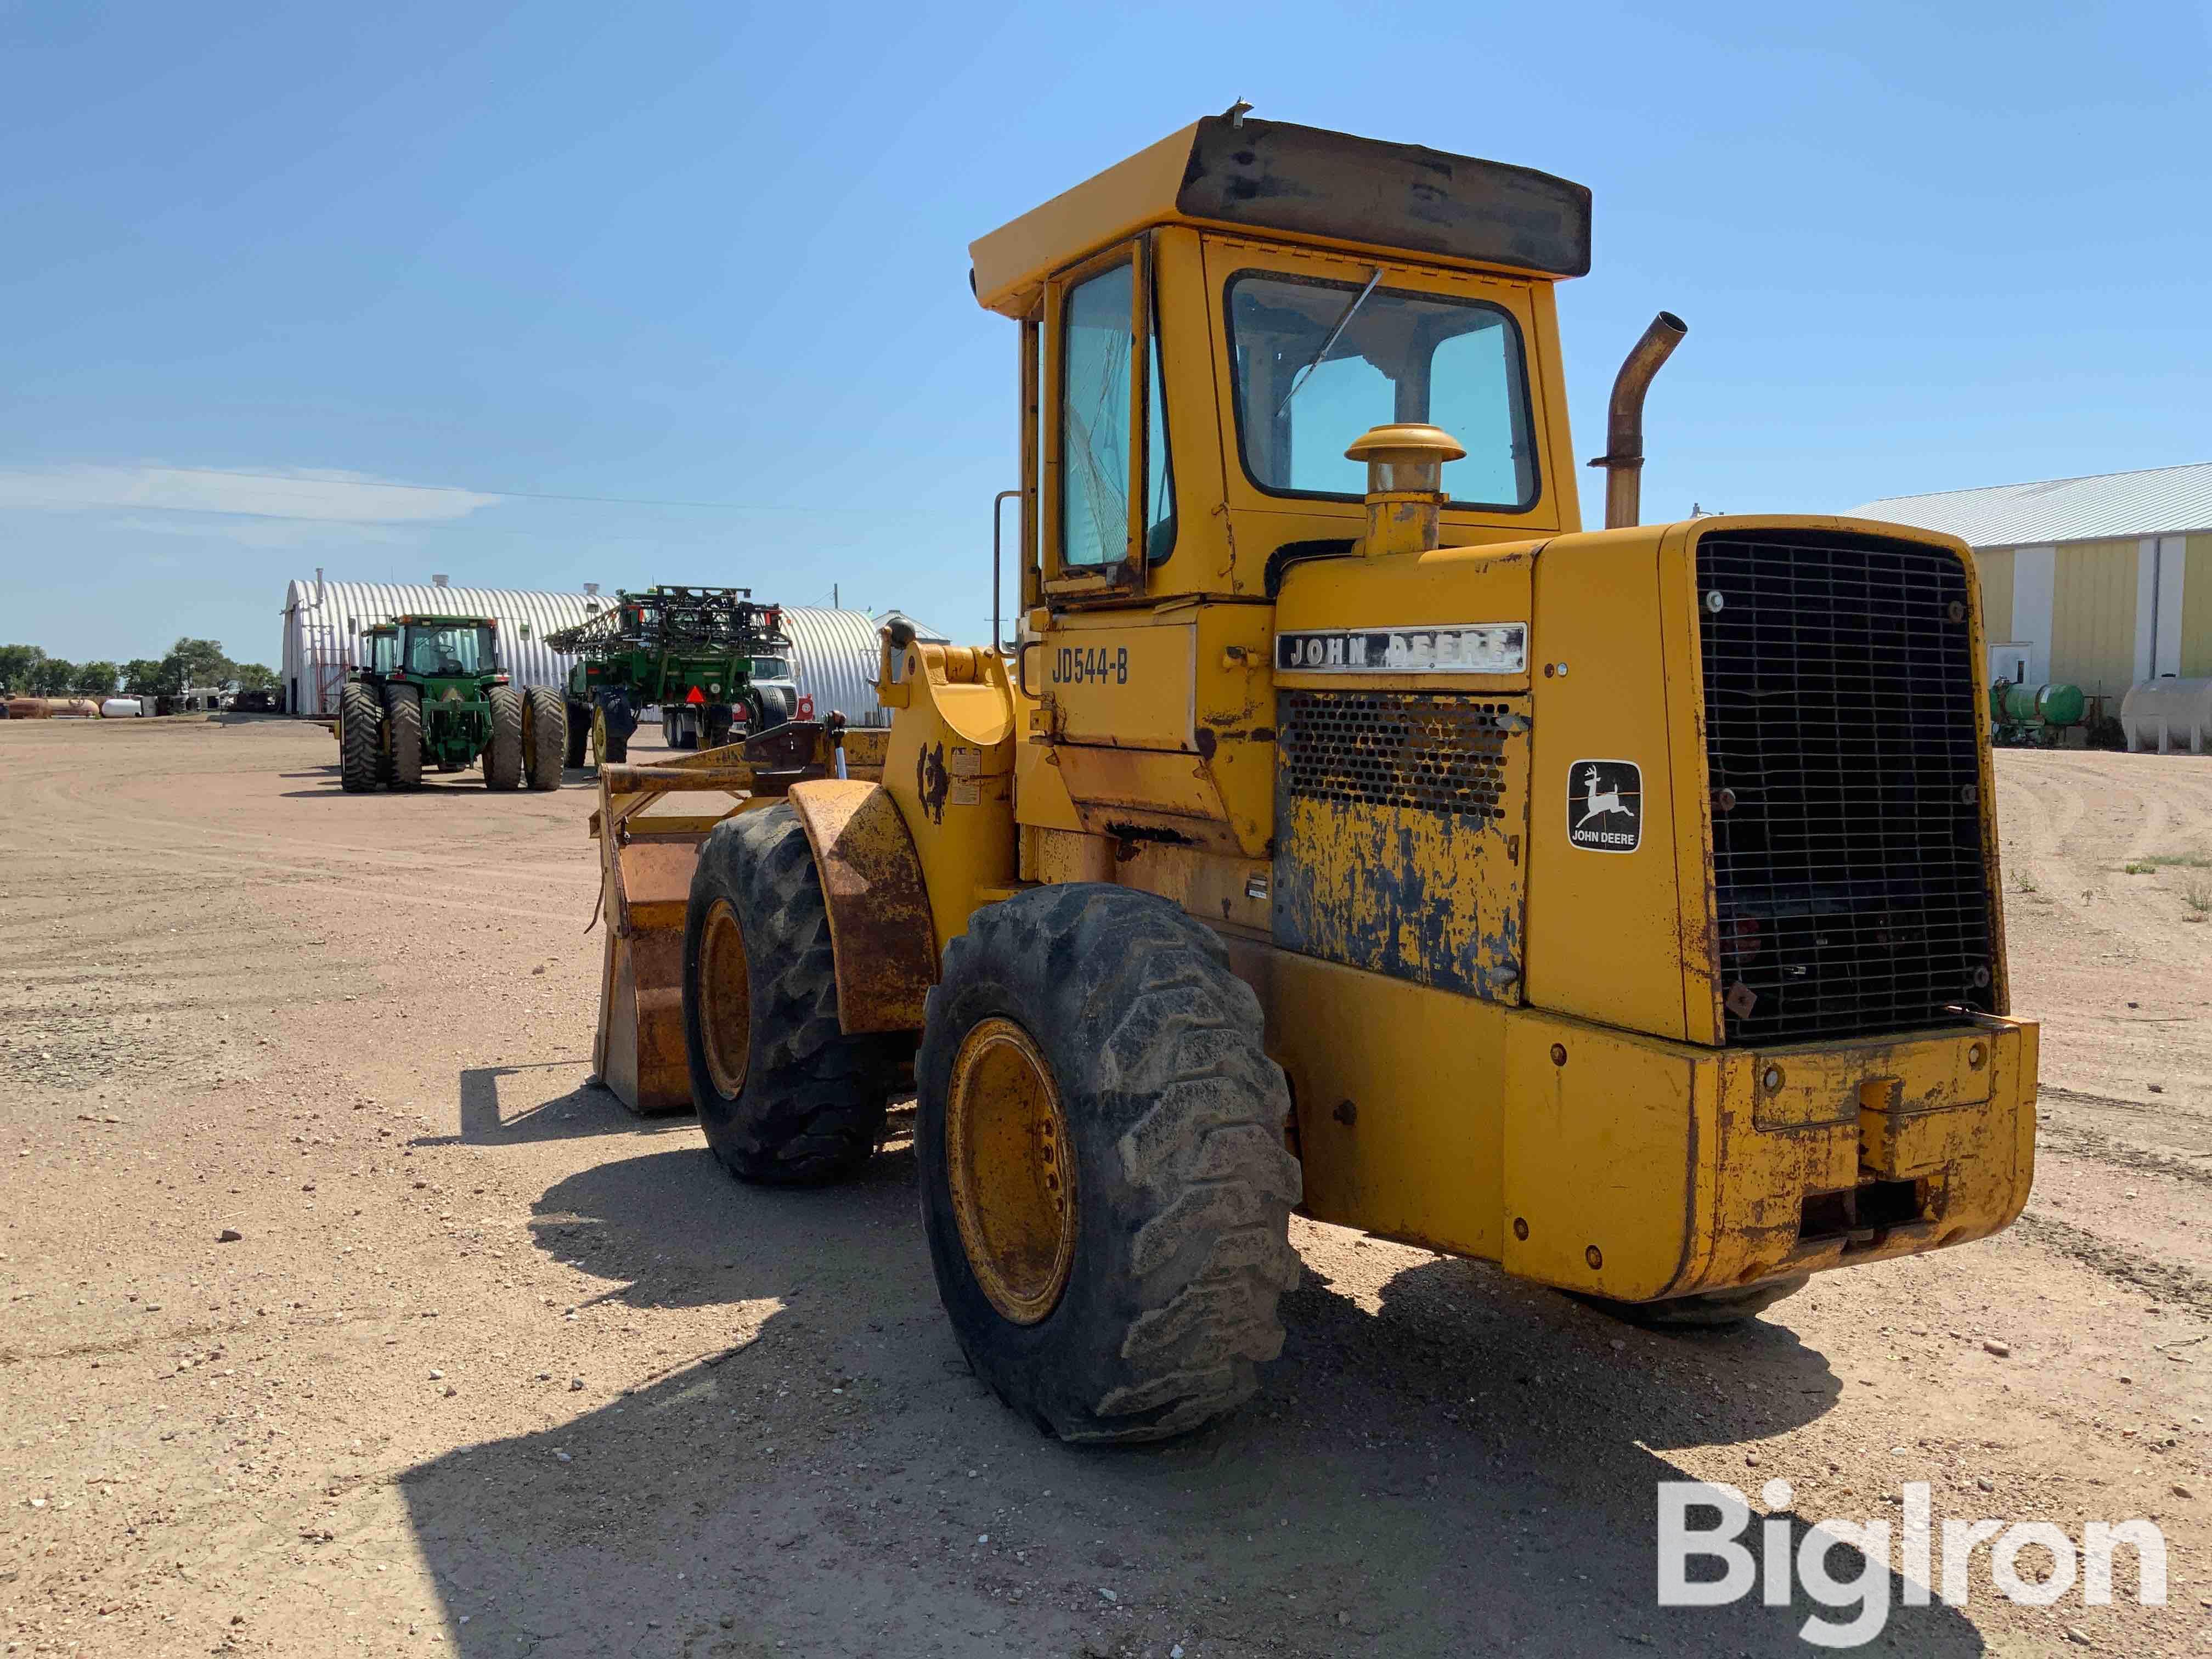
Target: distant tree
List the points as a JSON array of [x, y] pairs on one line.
[[194, 662], [52, 677], [96, 679], [17, 664], [252, 677], [142, 676]]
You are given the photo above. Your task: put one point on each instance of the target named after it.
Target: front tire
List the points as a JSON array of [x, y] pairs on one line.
[[771, 706], [545, 736], [403, 715], [502, 755], [361, 740], [580, 731], [1106, 1021], [612, 721], [783, 1095]]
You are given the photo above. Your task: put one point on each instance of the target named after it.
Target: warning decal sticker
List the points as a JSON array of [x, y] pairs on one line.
[[1605, 805]]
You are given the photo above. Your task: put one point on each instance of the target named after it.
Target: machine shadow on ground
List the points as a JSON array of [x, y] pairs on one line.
[[1469, 1466], [576, 1108], [434, 783]]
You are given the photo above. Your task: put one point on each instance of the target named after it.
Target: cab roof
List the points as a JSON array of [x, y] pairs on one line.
[[1235, 172]]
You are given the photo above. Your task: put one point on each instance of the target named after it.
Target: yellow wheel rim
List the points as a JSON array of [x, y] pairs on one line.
[[598, 737], [725, 1003], [1013, 1170]]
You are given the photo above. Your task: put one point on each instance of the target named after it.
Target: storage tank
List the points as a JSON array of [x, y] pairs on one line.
[[122, 708], [2167, 714], [2051, 705]]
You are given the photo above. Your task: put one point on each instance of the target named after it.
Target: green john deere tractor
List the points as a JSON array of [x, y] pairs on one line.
[[710, 658], [432, 694]]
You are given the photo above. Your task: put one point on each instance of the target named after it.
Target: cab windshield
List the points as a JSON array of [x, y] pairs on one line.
[[458, 649], [771, 668], [384, 651], [1319, 363]]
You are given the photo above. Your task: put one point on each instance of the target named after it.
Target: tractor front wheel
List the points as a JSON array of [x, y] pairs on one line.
[[545, 736], [784, 1096], [361, 739], [1103, 1178], [403, 717], [502, 755]]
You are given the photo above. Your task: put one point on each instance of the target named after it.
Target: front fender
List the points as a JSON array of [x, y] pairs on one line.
[[879, 920]]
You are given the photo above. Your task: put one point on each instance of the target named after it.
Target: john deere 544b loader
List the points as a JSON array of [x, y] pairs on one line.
[[1346, 826]]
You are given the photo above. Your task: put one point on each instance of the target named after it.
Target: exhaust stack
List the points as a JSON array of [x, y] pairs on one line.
[[1623, 460]]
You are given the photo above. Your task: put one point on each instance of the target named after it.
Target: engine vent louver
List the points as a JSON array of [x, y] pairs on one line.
[[1389, 749], [1840, 695]]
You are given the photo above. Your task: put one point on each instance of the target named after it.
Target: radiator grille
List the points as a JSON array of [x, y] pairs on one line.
[[1439, 754], [1840, 698]]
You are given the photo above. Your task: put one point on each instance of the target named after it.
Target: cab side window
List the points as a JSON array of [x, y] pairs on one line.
[[1094, 423]]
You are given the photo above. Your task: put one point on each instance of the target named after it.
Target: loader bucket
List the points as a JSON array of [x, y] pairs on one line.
[[645, 860], [644, 880]]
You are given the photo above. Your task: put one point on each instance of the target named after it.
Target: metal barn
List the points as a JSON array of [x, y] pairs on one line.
[[833, 653], [2101, 582]]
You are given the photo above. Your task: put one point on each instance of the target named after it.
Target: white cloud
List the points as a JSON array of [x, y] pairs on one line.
[[296, 493], [268, 532]]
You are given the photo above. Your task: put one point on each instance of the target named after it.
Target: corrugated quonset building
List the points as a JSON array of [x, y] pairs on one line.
[[2100, 582], [833, 653]]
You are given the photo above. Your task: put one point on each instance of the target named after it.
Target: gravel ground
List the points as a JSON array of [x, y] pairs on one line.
[[493, 1369]]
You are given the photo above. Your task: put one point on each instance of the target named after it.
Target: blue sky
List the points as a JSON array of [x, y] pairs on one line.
[[716, 256]]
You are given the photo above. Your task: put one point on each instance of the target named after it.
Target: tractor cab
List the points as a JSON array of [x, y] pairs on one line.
[[451, 652]]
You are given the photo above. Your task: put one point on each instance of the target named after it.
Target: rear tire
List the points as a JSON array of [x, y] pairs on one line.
[[580, 731], [783, 1095], [402, 715], [720, 719], [502, 755], [1704, 1310], [545, 736], [1182, 1186], [361, 739]]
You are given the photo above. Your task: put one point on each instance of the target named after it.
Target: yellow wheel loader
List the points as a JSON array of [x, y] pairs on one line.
[[1346, 828]]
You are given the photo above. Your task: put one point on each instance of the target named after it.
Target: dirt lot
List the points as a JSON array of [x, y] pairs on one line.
[[495, 1370]]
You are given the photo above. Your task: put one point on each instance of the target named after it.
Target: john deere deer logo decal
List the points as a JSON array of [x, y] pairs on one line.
[[1605, 805]]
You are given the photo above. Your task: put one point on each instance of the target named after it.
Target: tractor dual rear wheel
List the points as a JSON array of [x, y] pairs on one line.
[[1104, 1183], [783, 1095], [403, 717], [545, 736], [502, 755], [361, 739], [580, 731]]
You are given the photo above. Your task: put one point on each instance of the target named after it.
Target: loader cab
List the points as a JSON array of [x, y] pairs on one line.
[[1207, 327]]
